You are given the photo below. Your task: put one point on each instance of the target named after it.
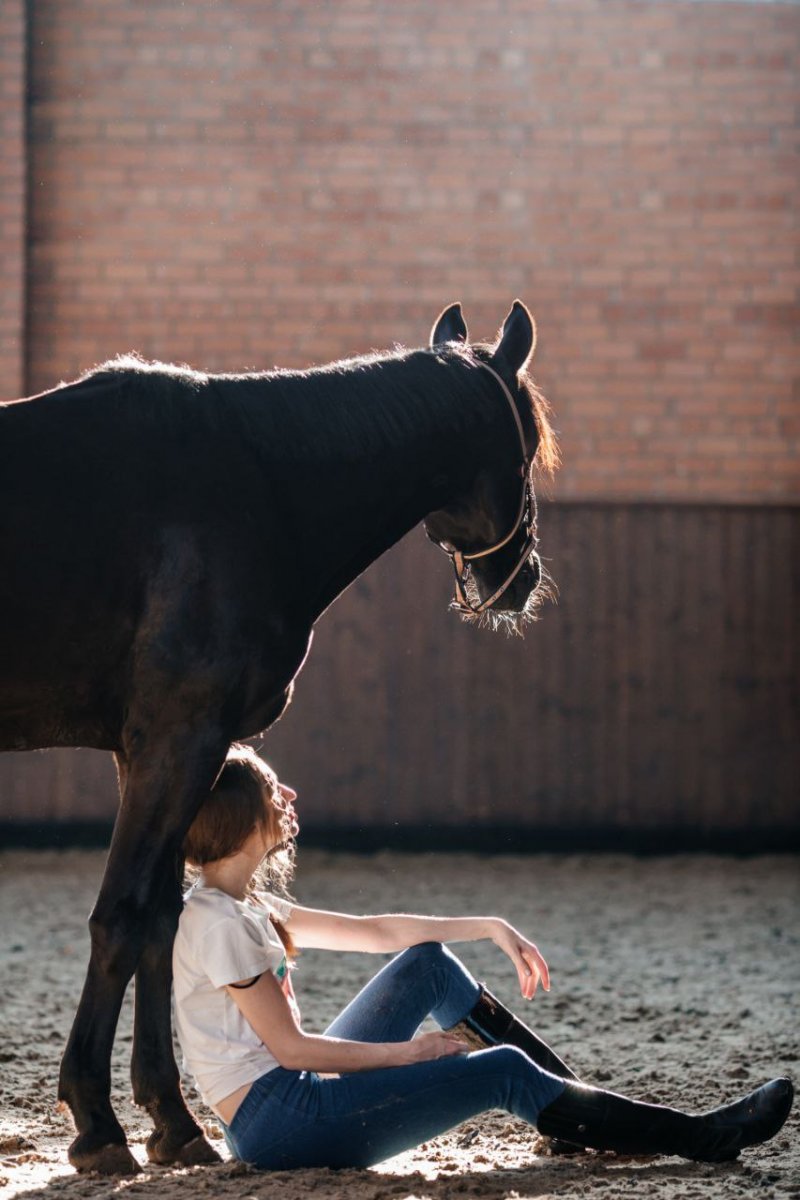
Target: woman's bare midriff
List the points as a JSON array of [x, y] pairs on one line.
[[226, 1109]]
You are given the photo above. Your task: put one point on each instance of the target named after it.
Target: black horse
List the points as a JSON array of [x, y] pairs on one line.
[[167, 541]]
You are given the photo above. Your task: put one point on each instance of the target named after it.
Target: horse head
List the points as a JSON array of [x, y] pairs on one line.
[[489, 531]]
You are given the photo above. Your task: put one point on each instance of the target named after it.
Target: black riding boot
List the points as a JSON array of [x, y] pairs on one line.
[[491, 1024], [606, 1121]]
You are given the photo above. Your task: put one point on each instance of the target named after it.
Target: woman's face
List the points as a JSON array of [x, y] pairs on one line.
[[282, 824], [288, 796]]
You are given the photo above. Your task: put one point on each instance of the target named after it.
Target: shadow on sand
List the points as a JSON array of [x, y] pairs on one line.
[[543, 1177]]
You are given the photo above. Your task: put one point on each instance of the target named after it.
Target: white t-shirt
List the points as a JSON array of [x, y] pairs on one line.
[[219, 941]]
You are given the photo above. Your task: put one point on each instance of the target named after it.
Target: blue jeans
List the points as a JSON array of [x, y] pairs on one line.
[[295, 1119]]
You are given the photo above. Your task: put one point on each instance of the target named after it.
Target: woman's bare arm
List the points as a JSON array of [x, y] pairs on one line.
[[390, 932], [385, 934], [266, 1009]]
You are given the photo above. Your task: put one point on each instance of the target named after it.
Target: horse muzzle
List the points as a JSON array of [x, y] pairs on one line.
[[474, 596], [518, 592]]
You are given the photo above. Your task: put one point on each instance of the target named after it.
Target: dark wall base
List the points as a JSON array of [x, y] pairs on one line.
[[417, 839]]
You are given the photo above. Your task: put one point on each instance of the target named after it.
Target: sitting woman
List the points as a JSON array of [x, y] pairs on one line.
[[369, 1088]]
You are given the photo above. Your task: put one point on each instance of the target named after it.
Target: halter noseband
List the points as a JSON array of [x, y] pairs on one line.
[[527, 513]]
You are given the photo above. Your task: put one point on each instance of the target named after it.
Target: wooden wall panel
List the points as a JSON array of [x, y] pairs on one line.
[[660, 692]]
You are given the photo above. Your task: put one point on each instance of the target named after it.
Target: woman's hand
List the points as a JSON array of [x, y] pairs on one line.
[[531, 967], [266, 1009], [439, 1044]]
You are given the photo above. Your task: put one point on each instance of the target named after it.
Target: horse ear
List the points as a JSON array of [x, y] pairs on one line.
[[449, 326], [517, 339]]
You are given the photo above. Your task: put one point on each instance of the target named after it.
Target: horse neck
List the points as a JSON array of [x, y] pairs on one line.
[[352, 504]]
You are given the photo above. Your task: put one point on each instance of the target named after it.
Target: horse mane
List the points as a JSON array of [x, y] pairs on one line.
[[331, 409], [152, 369], [548, 456]]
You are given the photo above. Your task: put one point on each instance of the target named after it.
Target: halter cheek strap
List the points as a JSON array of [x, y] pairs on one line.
[[461, 561], [512, 405]]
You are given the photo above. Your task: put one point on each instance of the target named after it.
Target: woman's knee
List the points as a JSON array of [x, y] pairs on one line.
[[448, 987], [507, 1061], [515, 1062], [424, 954], [517, 1084], [507, 1058]]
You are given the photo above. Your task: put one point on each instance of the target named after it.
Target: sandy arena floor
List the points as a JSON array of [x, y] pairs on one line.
[[675, 979]]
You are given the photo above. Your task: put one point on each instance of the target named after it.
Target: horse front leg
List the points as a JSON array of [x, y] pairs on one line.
[[156, 1083], [166, 781]]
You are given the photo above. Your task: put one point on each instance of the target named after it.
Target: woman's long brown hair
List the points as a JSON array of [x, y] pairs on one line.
[[245, 797]]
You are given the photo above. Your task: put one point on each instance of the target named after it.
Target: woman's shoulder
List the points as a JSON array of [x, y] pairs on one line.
[[209, 899], [275, 905], [204, 907]]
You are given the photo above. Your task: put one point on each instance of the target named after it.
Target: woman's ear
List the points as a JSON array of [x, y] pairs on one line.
[[517, 339], [449, 326]]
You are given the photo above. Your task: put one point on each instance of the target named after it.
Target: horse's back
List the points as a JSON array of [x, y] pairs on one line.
[[99, 465]]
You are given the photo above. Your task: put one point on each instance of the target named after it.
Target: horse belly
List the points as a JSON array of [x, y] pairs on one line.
[[42, 726], [64, 636]]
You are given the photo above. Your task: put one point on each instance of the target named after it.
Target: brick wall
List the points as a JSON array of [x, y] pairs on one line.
[[12, 196], [245, 184]]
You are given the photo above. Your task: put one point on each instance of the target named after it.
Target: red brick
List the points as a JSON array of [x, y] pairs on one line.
[[285, 191], [13, 166]]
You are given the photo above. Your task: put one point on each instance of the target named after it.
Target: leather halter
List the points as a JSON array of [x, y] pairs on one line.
[[526, 513]]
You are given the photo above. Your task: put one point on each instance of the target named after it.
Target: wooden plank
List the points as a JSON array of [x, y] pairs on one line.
[[660, 692]]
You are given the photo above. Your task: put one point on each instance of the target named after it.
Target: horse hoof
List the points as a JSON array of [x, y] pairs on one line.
[[195, 1153], [198, 1153], [112, 1159]]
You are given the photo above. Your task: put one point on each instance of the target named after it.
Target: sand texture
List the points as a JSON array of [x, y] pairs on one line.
[[675, 980]]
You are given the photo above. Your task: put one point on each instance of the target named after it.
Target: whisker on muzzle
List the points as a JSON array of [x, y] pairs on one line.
[[512, 623]]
